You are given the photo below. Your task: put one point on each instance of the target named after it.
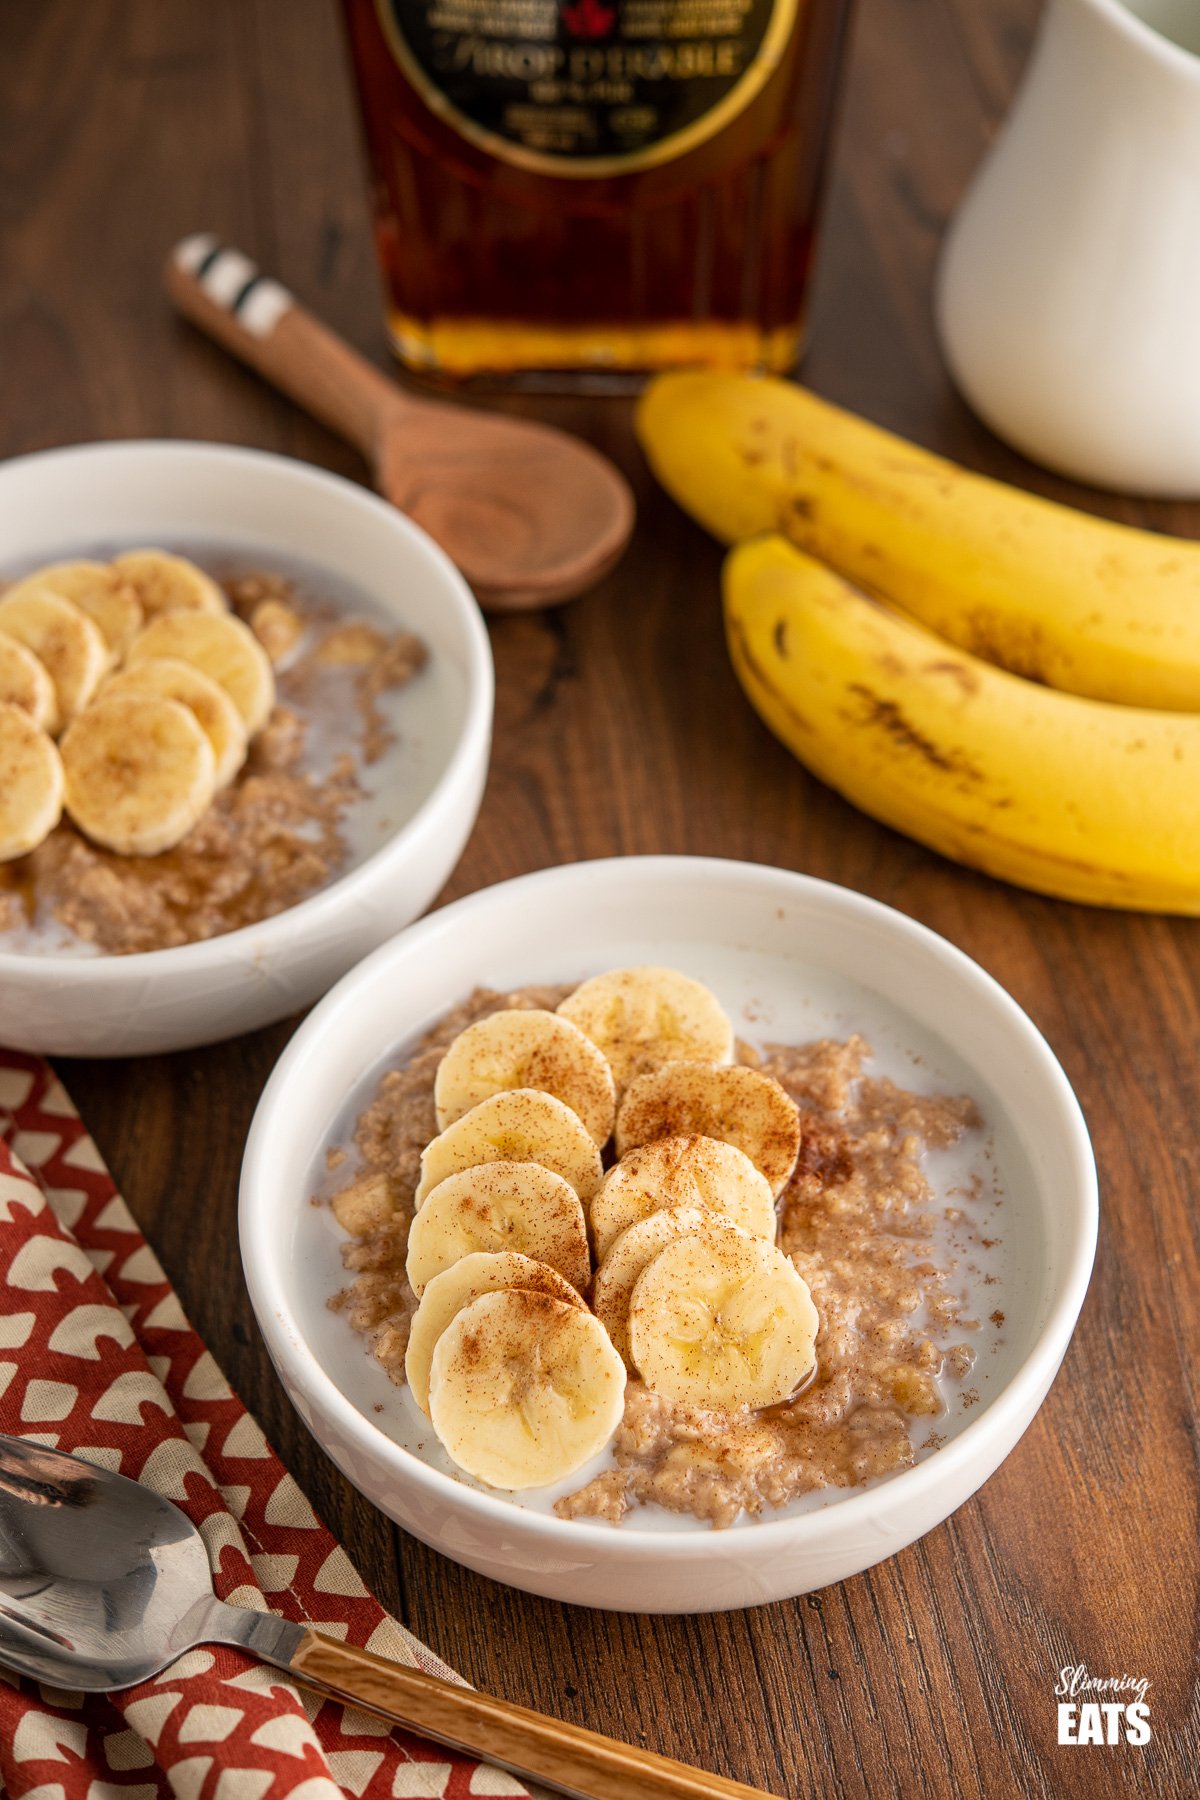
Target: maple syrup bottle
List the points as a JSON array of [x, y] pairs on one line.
[[574, 192]]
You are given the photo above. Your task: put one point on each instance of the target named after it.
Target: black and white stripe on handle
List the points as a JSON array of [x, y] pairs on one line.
[[232, 282]]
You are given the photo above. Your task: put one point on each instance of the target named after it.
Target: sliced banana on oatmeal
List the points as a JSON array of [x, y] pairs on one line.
[[499, 1206], [741, 1106], [216, 714], [164, 583], [65, 642], [681, 1171], [482, 1272], [519, 1125], [365, 1205], [25, 683], [524, 1389], [98, 590], [223, 648], [721, 1319], [31, 783], [139, 773], [633, 1251], [277, 626], [641, 1018], [520, 1047]]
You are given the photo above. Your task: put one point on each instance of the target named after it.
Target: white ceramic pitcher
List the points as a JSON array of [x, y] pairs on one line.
[[1069, 290]]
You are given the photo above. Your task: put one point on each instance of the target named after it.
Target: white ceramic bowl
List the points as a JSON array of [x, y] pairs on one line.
[[791, 958], [65, 502]]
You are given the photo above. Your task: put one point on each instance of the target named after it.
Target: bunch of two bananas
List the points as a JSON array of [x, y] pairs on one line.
[[1006, 680]]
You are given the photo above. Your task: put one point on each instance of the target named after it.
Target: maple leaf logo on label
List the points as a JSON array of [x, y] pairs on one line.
[[589, 18]]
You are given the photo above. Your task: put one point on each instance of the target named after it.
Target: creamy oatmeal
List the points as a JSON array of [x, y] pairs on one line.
[[277, 833], [859, 1220]]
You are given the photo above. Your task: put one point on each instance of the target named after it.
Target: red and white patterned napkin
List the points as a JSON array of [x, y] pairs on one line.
[[96, 1357]]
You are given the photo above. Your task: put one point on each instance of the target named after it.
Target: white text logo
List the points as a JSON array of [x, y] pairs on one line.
[[1102, 1709]]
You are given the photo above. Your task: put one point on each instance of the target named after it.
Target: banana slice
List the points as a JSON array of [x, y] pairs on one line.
[[98, 590], [63, 639], [520, 1125], [519, 1048], [483, 1272], [140, 773], [218, 717], [31, 783], [642, 1018], [223, 648], [499, 1206], [524, 1389], [632, 1252], [165, 583], [364, 1205], [682, 1171], [25, 683], [737, 1104], [722, 1320]]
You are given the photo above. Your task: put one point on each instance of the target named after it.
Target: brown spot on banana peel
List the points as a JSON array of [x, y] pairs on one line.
[[1020, 646], [885, 716], [889, 499], [744, 658], [966, 678]]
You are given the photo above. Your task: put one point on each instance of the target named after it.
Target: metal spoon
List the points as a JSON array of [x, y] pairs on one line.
[[104, 1583], [531, 515]]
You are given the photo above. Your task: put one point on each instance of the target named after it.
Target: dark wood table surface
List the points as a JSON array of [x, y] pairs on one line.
[[620, 729]]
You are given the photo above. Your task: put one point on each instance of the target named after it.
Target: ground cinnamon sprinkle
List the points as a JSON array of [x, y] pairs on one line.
[[857, 1218]]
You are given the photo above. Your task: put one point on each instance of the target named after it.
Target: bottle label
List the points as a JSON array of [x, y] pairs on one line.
[[587, 87]]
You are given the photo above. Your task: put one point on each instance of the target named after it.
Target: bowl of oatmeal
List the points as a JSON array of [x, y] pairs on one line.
[[758, 1271], [245, 710]]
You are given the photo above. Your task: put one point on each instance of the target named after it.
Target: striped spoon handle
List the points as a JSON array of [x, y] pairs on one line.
[[226, 295]]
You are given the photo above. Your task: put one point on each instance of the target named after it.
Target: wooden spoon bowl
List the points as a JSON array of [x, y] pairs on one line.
[[530, 514]]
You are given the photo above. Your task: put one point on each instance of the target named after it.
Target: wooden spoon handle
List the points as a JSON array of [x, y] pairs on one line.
[[225, 294], [562, 1756]]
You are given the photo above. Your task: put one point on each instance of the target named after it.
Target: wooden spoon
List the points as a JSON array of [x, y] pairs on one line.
[[531, 515]]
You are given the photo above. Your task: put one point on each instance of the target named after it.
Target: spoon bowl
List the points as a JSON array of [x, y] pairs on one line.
[[531, 515], [102, 1582]]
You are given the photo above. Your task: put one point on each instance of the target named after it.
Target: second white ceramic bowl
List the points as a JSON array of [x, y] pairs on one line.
[[791, 958], [67, 502]]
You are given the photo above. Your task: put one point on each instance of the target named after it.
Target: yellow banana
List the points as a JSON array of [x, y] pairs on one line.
[[1064, 598], [1071, 797]]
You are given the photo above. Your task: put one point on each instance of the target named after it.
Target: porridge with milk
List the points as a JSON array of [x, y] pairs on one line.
[[182, 756], [588, 1220]]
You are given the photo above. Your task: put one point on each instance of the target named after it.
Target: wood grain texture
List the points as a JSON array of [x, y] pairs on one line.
[[126, 124]]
